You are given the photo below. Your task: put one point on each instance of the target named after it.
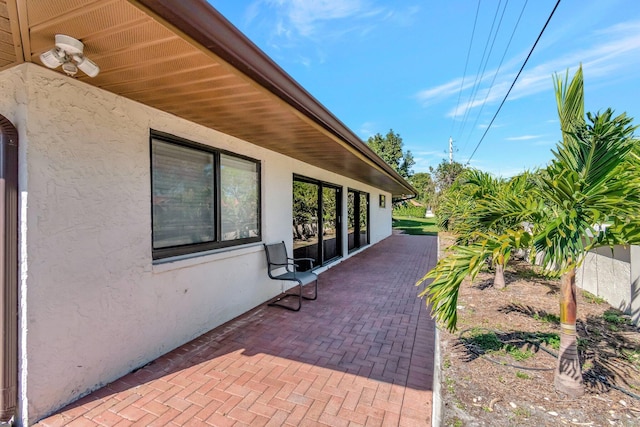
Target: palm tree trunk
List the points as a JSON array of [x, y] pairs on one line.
[[568, 376], [498, 279]]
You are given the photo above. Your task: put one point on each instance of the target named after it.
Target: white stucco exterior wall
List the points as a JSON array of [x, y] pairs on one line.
[[93, 304], [614, 276], [634, 308]]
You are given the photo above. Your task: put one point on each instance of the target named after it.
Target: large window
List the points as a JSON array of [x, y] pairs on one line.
[[202, 198]]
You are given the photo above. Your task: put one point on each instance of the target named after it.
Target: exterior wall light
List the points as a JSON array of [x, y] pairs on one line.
[[69, 53]]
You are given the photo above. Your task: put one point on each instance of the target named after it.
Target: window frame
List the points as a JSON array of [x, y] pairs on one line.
[[217, 242]]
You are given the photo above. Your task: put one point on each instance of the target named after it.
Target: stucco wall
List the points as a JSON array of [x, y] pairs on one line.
[[93, 304], [614, 276], [634, 308]]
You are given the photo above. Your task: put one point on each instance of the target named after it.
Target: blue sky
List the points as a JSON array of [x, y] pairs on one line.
[[380, 65]]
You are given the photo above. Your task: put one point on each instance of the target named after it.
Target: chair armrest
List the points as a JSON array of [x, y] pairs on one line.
[[280, 264], [304, 259]]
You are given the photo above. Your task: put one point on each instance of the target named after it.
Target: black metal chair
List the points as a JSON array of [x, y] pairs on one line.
[[281, 267]]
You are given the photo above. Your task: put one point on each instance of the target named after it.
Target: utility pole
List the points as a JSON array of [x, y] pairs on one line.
[[450, 150]]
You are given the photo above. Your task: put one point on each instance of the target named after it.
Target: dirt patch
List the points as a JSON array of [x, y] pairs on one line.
[[497, 369]]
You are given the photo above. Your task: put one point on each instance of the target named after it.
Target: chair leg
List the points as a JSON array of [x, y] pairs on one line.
[[315, 292], [276, 302]]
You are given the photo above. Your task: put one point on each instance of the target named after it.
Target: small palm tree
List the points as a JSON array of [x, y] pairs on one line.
[[491, 217], [475, 212], [591, 182]]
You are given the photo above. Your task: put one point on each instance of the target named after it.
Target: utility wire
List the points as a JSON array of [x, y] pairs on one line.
[[479, 73], [496, 73], [514, 81], [464, 73], [493, 42]]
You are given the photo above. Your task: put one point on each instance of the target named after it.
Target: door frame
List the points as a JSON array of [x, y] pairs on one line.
[[320, 206]]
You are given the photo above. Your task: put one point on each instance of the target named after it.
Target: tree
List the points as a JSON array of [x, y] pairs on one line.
[[425, 186], [591, 182], [389, 148], [445, 174], [472, 206]]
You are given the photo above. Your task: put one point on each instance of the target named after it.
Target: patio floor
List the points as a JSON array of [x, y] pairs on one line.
[[362, 354]]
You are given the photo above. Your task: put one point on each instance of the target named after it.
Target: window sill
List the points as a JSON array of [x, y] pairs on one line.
[[189, 260]]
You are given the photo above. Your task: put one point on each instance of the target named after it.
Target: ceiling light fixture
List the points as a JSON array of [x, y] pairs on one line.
[[69, 53]]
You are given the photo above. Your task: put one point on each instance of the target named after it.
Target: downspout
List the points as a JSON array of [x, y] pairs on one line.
[[8, 270]]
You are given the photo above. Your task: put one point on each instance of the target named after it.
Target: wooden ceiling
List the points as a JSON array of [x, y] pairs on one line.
[[183, 57]]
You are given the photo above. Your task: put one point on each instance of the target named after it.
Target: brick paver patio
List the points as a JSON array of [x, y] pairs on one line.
[[362, 354]]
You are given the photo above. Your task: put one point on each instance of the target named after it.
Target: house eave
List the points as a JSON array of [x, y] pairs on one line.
[[186, 59], [207, 26]]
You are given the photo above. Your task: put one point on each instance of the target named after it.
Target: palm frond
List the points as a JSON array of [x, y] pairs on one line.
[[590, 182], [465, 261], [447, 276], [569, 99]]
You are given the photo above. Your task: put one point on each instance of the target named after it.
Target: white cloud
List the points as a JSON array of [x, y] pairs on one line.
[[293, 22], [307, 18], [442, 91], [523, 137], [366, 130], [305, 15], [615, 49]]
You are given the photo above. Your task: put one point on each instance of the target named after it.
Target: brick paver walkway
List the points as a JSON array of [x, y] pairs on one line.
[[362, 354]]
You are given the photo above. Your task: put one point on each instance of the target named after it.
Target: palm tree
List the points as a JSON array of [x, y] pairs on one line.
[[470, 207], [591, 182]]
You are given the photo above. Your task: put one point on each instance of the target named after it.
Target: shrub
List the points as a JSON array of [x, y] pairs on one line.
[[409, 211]]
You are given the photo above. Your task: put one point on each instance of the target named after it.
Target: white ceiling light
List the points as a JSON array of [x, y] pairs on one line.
[[69, 53]]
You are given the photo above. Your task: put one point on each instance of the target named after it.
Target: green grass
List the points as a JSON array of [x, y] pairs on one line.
[[521, 413], [523, 376], [450, 384], [518, 353], [550, 339], [594, 299], [632, 356], [547, 318], [416, 226], [487, 342], [615, 317]]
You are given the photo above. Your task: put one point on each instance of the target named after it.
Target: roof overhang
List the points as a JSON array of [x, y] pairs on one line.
[[185, 58]]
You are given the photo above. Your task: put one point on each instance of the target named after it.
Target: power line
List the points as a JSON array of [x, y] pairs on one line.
[[464, 74], [495, 36], [480, 74], [514, 81], [496, 73]]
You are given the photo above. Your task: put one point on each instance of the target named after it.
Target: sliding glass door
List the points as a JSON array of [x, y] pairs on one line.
[[331, 244], [316, 221], [357, 219]]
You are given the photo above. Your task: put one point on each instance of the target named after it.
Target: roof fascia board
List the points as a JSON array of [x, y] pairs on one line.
[[205, 25]]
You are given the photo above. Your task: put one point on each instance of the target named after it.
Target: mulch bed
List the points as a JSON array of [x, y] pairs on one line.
[[497, 369]]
